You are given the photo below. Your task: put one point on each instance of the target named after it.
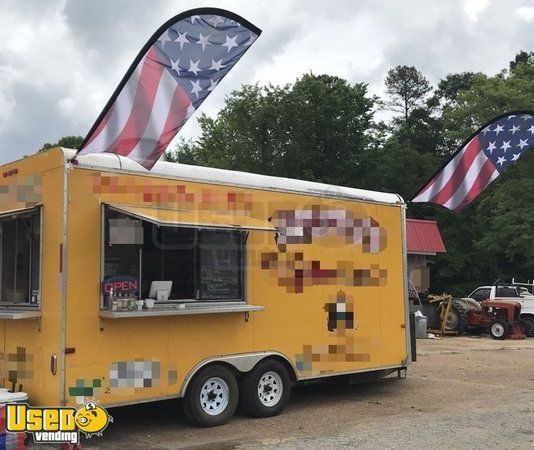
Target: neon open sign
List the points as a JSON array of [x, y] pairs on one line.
[[121, 284]]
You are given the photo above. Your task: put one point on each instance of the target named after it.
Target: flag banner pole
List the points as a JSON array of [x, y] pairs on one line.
[[179, 66], [487, 153]]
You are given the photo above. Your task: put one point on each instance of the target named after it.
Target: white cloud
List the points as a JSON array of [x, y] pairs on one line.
[[474, 7], [525, 12], [8, 75]]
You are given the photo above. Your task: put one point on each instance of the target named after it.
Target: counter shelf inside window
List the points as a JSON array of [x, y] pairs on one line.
[[123, 305], [154, 269], [183, 309]]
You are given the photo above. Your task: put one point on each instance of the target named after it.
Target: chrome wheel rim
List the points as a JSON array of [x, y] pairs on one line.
[[497, 329], [214, 396], [270, 389]]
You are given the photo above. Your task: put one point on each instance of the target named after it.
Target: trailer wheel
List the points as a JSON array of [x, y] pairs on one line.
[[212, 397], [528, 323], [499, 329], [264, 392]]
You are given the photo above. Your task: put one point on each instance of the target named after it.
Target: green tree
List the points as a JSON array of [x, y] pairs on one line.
[[407, 88], [408, 149], [522, 58], [315, 129], [450, 87], [74, 142], [184, 153], [396, 166]]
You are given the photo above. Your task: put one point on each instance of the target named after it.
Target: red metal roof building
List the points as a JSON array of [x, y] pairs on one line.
[[423, 237], [423, 240]]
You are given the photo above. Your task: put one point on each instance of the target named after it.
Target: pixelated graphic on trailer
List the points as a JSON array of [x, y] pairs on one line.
[[294, 272], [86, 390], [153, 192], [134, 374], [17, 366], [25, 192], [303, 226], [347, 347]]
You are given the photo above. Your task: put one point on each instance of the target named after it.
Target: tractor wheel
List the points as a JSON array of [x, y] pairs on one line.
[[499, 329], [528, 323], [457, 320]]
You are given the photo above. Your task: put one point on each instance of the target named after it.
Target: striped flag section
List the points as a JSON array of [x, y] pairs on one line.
[[487, 154], [173, 74]]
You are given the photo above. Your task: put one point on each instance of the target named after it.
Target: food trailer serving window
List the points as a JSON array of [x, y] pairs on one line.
[[193, 256], [20, 258]]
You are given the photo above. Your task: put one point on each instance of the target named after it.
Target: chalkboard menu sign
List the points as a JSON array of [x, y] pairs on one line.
[[220, 265]]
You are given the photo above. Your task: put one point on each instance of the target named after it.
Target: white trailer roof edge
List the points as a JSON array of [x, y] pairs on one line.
[[113, 162]]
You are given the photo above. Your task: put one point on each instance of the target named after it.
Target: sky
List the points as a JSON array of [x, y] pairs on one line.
[[60, 60]]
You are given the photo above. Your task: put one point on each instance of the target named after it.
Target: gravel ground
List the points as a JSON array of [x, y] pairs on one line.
[[462, 393]]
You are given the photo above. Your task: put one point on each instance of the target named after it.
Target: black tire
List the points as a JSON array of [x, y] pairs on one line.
[[499, 329], [457, 320], [528, 323], [273, 376], [213, 389]]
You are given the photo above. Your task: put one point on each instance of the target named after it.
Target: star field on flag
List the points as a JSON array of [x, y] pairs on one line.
[[182, 64], [474, 166]]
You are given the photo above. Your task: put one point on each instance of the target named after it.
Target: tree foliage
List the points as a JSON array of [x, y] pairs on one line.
[[450, 87], [74, 142], [406, 88], [522, 58], [315, 129]]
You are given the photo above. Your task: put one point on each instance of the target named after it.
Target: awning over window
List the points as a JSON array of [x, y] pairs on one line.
[[180, 218], [18, 212]]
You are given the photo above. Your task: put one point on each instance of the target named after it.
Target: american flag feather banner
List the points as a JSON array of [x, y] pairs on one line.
[[175, 71], [482, 158]]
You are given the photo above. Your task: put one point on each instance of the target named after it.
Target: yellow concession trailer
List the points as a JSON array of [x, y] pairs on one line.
[[122, 286]]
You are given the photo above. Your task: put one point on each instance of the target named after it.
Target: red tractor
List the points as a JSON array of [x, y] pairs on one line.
[[448, 315], [500, 319]]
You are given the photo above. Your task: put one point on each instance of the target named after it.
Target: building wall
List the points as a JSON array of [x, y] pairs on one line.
[[418, 272]]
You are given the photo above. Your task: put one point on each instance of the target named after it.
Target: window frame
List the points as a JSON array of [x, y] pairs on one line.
[[476, 291], [10, 215], [244, 234], [499, 292]]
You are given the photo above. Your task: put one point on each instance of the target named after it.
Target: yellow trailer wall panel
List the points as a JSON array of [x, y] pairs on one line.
[[29, 344], [294, 322]]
